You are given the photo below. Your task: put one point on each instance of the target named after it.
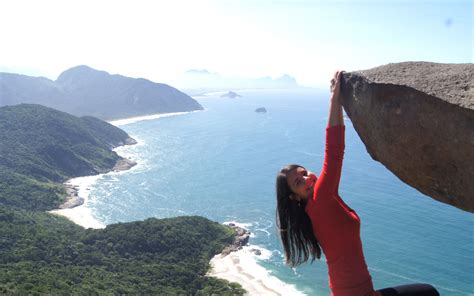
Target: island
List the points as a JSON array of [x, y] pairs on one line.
[[231, 95]]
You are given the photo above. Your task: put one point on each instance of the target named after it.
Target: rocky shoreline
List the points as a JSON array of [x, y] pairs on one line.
[[72, 197], [241, 239], [72, 191]]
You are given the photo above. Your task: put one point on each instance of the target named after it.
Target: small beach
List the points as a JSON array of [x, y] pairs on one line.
[[75, 208], [120, 122], [242, 267]]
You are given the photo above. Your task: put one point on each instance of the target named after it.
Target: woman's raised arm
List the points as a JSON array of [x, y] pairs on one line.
[[335, 109], [334, 150]]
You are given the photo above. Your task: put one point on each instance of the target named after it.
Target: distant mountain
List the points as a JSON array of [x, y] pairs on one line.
[[196, 71], [40, 145], [84, 91], [231, 95], [205, 80]]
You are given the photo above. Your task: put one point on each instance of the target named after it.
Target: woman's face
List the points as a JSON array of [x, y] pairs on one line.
[[301, 183]]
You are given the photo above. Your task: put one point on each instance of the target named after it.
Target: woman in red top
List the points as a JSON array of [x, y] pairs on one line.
[[311, 215]]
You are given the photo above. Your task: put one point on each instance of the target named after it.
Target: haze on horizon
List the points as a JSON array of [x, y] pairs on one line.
[[160, 40]]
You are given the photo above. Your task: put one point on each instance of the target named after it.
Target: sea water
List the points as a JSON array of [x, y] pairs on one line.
[[221, 163]]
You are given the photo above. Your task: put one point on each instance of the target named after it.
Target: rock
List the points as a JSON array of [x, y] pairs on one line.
[[231, 95], [256, 252], [261, 110], [72, 197], [124, 164], [130, 141], [417, 119], [242, 237]]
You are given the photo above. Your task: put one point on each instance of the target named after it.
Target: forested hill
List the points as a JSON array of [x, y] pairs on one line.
[[43, 146], [85, 91], [45, 254]]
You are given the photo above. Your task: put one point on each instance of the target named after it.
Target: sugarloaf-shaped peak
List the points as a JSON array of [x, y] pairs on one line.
[[80, 73]]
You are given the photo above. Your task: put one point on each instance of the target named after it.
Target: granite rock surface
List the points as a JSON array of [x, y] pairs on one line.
[[417, 119]]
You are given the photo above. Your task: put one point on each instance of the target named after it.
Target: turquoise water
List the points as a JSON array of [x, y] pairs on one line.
[[221, 163]]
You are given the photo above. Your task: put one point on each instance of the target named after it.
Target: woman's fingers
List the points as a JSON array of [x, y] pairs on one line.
[[335, 80]]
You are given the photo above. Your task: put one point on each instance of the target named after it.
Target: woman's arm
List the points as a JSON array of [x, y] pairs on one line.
[[335, 109], [334, 150]]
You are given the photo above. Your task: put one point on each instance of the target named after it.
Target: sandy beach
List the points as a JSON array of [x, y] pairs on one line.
[[78, 190], [75, 208], [125, 121], [242, 267]]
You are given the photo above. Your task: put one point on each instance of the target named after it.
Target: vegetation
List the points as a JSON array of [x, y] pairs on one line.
[[45, 254], [50, 145], [41, 147]]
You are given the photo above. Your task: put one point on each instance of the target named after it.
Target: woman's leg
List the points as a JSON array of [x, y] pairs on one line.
[[410, 290]]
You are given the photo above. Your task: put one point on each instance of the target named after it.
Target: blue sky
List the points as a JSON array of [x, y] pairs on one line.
[[159, 40]]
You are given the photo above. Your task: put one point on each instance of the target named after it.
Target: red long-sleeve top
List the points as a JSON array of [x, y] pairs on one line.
[[337, 226]]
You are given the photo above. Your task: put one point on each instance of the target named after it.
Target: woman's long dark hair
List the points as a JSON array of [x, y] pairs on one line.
[[294, 225]]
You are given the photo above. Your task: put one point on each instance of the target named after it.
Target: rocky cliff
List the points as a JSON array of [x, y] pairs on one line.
[[417, 119]]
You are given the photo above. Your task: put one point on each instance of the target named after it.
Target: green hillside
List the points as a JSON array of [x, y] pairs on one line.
[[51, 145], [41, 147], [45, 254]]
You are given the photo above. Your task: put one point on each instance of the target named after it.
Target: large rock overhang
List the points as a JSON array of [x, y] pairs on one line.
[[417, 119]]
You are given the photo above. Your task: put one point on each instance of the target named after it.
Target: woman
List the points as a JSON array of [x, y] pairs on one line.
[[311, 215]]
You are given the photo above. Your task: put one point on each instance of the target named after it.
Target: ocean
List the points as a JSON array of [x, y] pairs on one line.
[[221, 163]]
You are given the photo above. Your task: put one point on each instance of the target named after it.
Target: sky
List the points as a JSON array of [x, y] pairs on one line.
[[159, 40]]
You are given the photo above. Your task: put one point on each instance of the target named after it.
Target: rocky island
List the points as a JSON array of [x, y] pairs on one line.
[[231, 95]]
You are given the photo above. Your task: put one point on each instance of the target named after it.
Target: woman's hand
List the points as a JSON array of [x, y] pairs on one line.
[[336, 86]]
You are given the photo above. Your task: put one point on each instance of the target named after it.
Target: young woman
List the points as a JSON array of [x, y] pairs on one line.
[[311, 215]]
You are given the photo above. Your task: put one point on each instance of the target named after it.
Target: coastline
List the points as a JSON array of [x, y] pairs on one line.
[[124, 121], [77, 195], [238, 263], [78, 189]]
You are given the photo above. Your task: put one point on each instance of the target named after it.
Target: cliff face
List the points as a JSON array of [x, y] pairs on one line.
[[417, 119], [84, 91]]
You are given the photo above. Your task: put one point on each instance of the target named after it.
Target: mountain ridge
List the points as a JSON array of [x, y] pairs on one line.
[[82, 90]]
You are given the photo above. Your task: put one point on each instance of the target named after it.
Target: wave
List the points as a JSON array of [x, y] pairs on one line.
[[239, 224]]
